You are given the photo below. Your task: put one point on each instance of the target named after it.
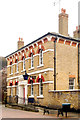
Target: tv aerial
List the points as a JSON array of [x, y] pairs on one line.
[[57, 2]]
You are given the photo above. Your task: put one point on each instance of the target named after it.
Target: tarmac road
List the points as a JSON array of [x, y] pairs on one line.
[[15, 113]]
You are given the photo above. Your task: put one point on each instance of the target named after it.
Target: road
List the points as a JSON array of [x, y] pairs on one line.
[[15, 113]]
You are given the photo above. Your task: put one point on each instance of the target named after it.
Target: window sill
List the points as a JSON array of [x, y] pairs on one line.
[[11, 74], [71, 89], [41, 96], [31, 68], [17, 72], [31, 96], [23, 70], [40, 66]]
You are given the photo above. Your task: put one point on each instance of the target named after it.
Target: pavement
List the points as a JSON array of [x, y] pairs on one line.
[[15, 113]]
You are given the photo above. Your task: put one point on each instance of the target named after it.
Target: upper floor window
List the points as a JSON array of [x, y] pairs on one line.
[[40, 57], [23, 62], [17, 68], [32, 60], [71, 83], [11, 68]]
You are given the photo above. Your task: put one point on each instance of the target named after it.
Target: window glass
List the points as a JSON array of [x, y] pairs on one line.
[[41, 57], [23, 63], [31, 60], [11, 91], [31, 88], [17, 65], [40, 87], [17, 90], [71, 83], [11, 68]]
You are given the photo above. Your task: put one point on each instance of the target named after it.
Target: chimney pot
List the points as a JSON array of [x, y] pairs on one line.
[[21, 39], [63, 10]]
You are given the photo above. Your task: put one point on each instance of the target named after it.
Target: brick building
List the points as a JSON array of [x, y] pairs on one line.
[[54, 60]]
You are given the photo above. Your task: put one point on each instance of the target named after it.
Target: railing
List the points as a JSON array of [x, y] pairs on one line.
[[19, 100], [11, 100]]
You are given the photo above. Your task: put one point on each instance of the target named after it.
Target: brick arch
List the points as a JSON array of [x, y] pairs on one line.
[[16, 82], [16, 59], [43, 80], [31, 52], [11, 62], [38, 50], [10, 83], [23, 56], [29, 81]]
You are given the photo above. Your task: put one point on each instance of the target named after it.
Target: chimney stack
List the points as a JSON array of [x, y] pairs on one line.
[[20, 43], [63, 22], [76, 33]]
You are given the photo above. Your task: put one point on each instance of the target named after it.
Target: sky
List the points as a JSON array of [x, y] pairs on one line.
[[31, 19]]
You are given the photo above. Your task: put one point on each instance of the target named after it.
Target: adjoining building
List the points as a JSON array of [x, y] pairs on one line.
[[3, 75], [54, 60]]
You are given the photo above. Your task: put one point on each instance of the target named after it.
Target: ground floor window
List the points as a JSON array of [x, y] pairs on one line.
[[11, 91], [71, 83], [31, 88], [40, 87], [17, 90]]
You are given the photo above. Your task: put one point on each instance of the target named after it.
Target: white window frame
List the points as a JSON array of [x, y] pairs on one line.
[[32, 60], [71, 83], [40, 57]]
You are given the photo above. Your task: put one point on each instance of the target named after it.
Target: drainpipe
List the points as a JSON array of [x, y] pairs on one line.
[[55, 63]]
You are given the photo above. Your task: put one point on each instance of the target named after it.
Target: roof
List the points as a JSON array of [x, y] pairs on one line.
[[49, 33]]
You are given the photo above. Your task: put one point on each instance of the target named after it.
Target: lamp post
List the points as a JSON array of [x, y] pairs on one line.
[[26, 78]]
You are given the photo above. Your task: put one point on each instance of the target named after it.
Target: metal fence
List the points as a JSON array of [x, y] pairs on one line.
[[18, 100], [11, 100]]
